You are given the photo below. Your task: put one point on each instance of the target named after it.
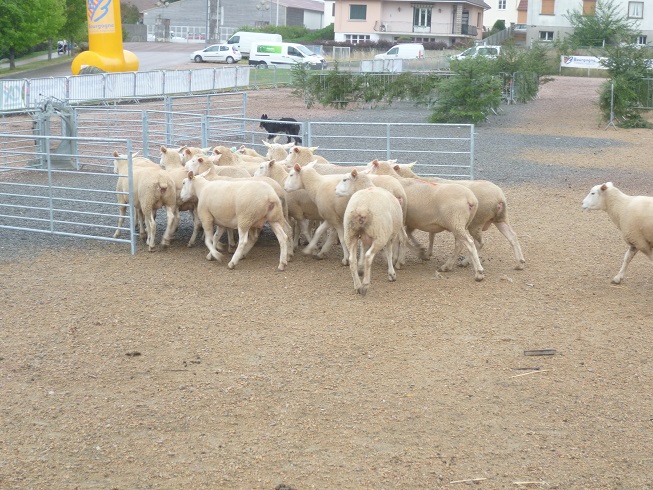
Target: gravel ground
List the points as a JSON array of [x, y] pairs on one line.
[[163, 370]]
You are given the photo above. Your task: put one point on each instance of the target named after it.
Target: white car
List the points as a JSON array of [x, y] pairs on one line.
[[217, 52], [481, 50]]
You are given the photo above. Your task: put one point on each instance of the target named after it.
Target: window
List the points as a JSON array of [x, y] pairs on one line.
[[548, 7], [421, 17], [357, 12], [546, 35], [502, 5], [636, 10], [356, 38], [589, 7], [640, 40]]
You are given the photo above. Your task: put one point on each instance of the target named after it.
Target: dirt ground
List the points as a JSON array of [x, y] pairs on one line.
[[163, 370]]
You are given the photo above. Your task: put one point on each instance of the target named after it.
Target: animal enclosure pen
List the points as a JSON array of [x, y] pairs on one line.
[[46, 192]]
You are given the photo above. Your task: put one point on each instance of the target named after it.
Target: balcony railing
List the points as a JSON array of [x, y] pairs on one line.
[[435, 29]]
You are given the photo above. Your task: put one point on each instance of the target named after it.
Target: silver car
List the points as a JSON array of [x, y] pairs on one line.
[[225, 53]]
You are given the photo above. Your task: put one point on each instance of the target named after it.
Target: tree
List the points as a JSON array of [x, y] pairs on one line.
[[622, 95], [606, 26], [75, 26], [129, 13], [28, 23]]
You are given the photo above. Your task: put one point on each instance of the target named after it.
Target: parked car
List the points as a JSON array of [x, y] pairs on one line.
[[243, 40], [407, 51], [284, 55], [480, 50], [217, 52]]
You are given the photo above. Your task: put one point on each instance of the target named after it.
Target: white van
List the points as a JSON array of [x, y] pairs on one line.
[[407, 51], [284, 54], [243, 40], [480, 50]]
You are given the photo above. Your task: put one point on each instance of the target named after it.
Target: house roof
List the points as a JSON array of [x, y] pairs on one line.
[[142, 5], [303, 4]]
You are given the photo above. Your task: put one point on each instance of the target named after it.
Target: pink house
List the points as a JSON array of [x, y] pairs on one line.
[[455, 21]]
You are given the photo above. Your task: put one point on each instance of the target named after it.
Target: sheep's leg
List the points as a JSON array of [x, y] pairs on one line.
[[141, 224], [197, 224], [121, 219], [464, 240], [630, 253], [288, 232], [172, 216], [507, 231], [353, 264], [305, 230], [209, 238], [150, 226], [328, 243], [243, 239], [389, 255], [282, 238], [367, 268], [252, 238], [232, 240], [312, 246], [429, 251], [415, 245], [345, 252]]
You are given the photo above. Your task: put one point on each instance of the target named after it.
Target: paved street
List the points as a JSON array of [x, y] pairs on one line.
[[151, 56]]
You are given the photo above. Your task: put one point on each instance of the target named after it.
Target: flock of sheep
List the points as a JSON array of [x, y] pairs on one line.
[[368, 208]]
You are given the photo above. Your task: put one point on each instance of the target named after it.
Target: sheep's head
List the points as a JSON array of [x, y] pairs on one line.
[[264, 168], [596, 197], [346, 185], [186, 192], [294, 180]]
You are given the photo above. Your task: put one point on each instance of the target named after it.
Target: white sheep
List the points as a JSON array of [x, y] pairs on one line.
[[277, 151], [302, 155], [228, 157], [633, 215], [206, 167], [373, 216], [436, 207], [355, 181], [321, 189], [153, 188], [492, 206], [301, 208], [245, 205]]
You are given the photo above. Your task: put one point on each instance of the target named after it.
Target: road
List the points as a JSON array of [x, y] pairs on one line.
[[151, 56]]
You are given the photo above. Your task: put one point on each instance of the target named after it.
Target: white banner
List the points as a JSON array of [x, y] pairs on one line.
[[592, 62]]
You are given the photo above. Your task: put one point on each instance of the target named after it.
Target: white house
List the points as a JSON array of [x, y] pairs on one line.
[[546, 19]]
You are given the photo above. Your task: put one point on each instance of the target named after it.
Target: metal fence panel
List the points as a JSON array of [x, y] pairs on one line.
[[38, 194], [443, 150], [149, 83], [86, 88]]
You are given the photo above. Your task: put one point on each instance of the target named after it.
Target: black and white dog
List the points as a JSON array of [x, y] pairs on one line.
[[286, 125]]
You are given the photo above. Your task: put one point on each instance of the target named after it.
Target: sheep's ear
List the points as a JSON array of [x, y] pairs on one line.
[[136, 153], [375, 163], [116, 154], [354, 173], [411, 164], [266, 144], [200, 160], [605, 186], [393, 161], [187, 151], [312, 164], [297, 167], [190, 175], [205, 173], [296, 149], [396, 168], [270, 163], [163, 149], [313, 148], [288, 146]]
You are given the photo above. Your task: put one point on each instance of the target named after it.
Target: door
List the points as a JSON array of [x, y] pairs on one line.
[[421, 19]]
